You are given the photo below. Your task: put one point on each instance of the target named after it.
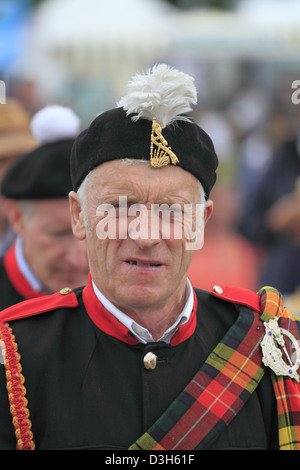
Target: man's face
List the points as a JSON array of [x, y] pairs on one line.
[[55, 256], [132, 267]]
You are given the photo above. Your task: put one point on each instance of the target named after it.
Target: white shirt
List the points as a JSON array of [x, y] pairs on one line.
[[24, 267], [142, 334]]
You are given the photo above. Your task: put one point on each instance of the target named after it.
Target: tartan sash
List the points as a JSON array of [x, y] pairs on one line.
[[287, 391], [224, 383]]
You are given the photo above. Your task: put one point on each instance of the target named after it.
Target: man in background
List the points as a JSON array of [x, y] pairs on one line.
[[15, 139], [45, 256]]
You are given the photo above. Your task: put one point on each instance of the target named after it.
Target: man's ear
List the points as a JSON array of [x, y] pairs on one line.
[[77, 217], [199, 241], [208, 210], [16, 217]]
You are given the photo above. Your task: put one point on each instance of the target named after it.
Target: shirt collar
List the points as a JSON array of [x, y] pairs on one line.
[[140, 333], [24, 267]]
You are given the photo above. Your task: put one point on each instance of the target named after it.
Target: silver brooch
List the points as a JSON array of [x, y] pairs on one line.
[[272, 354]]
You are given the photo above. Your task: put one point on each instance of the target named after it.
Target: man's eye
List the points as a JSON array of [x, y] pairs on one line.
[[131, 209], [121, 208]]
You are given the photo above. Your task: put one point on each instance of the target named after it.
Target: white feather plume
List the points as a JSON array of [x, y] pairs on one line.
[[54, 123], [163, 93]]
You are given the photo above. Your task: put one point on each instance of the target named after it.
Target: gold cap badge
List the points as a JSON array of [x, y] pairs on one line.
[[160, 153]]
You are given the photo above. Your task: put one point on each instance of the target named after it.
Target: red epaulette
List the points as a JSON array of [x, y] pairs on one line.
[[237, 295], [66, 298]]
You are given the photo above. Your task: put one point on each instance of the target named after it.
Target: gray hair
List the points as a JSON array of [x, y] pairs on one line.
[[85, 185], [27, 207]]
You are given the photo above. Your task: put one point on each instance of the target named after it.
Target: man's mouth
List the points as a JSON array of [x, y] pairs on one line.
[[141, 263]]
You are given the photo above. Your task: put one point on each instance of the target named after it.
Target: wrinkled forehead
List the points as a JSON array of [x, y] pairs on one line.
[[139, 180], [45, 213]]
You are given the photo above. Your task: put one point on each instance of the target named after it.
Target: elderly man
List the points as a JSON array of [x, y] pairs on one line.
[[138, 358], [45, 256]]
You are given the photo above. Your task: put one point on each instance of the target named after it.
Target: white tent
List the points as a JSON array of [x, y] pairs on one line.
[[72, 21], [274, 9], [90, 36], [239, 34], [90, 48], [100, 43]]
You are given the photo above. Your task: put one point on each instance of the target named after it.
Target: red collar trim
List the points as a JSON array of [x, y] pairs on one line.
[[186, 330], [106, 322], [16, 277]]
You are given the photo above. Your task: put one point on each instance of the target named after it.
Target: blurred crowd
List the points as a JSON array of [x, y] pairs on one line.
[[253, 238], [15, 140], [38, 253]]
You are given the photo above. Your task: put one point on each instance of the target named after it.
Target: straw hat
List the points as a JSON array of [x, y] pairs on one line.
[[15, 134], [44, 172]]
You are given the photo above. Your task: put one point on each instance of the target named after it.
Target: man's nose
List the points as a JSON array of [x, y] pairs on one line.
[[145, 229]]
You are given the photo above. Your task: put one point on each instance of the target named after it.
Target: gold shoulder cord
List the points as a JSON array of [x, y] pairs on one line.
[[160, 153], [16, 389]]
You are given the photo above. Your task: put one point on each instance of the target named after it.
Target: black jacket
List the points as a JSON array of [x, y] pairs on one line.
[[88, 389]]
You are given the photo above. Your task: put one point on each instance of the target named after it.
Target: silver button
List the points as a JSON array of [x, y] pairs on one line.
[[150, 361], [218, 289]]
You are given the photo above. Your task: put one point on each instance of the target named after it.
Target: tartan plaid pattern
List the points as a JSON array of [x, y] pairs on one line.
[[287, 391], [224, 383], [216, 393]]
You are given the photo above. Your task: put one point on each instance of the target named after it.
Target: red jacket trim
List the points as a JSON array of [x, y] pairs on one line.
[[237, 295], [17, 391], [16, 277], [104, 320], [108, 323], [31, 307]]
